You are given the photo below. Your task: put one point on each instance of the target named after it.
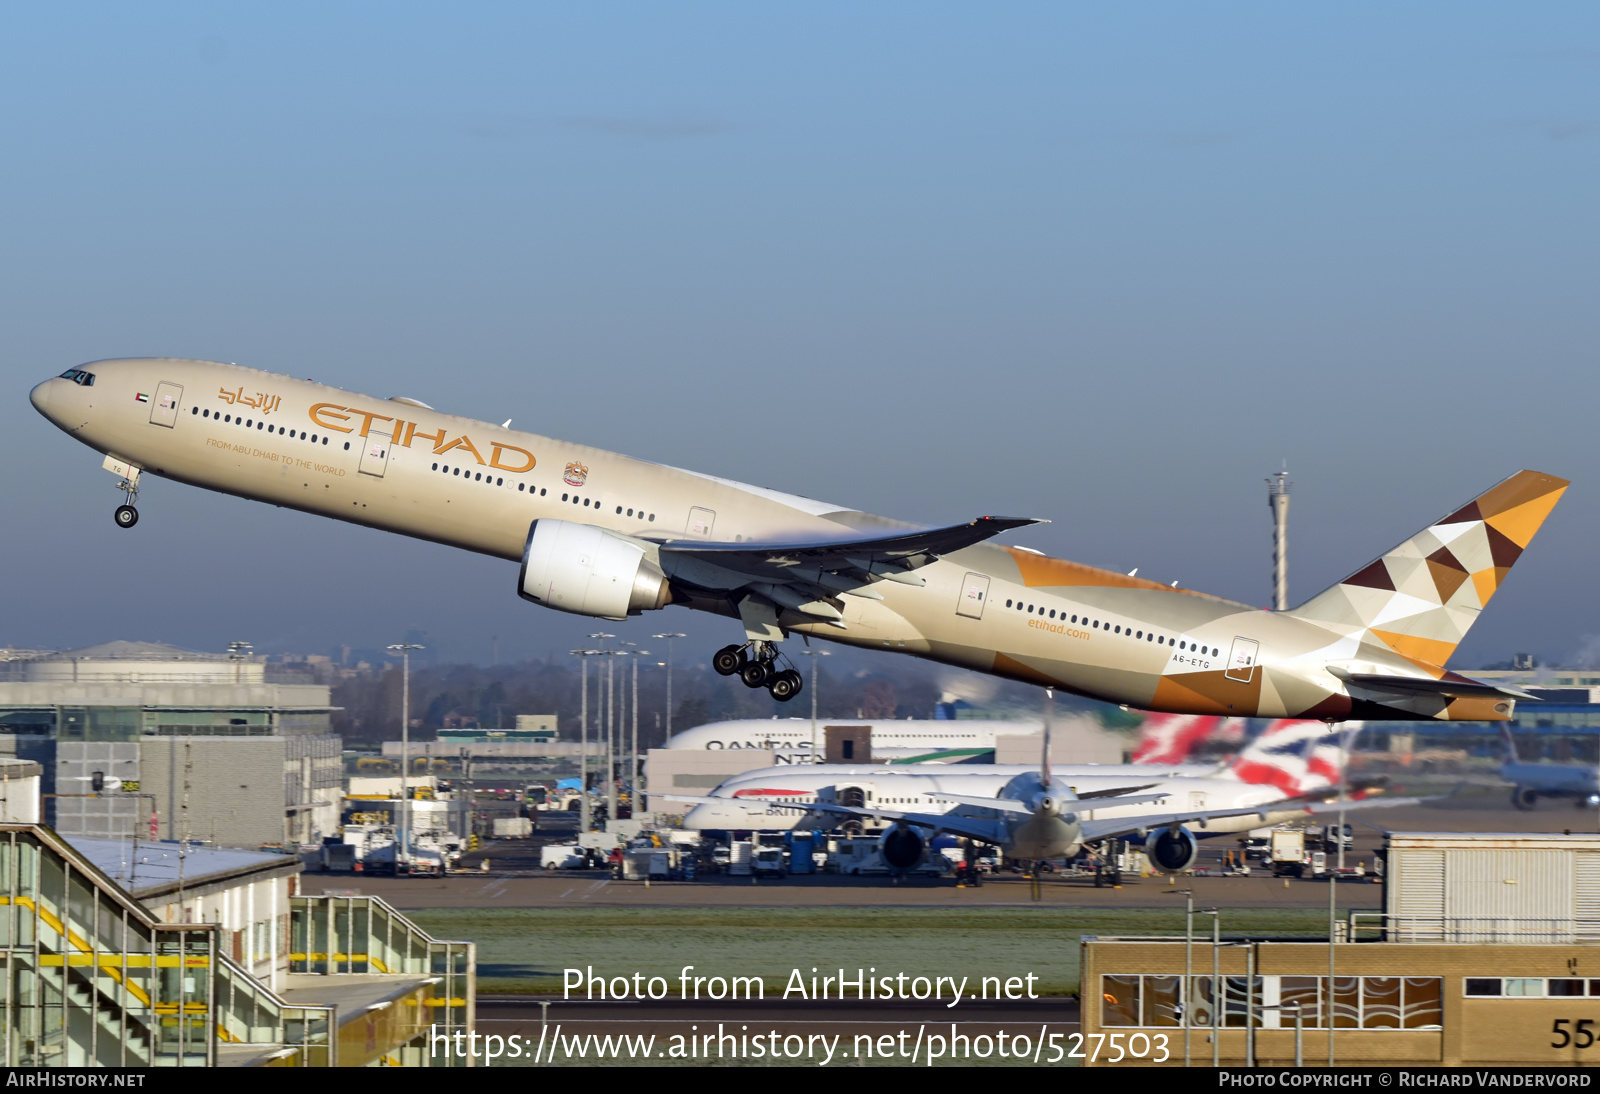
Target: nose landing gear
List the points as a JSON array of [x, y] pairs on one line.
[[127, 516], [756, 665]]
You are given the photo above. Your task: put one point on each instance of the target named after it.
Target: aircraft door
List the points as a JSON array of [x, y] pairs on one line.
[[375, 454], [974, 591], [1242, 661], [164, 408], [701, 522]]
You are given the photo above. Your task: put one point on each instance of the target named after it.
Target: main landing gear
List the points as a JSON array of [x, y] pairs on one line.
[[756, 665]]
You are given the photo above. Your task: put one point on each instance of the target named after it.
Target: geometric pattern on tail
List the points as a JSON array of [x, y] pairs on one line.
[[1421, 598]]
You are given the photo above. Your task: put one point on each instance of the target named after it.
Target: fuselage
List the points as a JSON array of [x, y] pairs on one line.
[[792, 740], [402, 467], [741, 802]]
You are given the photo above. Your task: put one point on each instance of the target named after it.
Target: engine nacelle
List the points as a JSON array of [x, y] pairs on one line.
[[903, 847], [586, 570], [1171, 852]]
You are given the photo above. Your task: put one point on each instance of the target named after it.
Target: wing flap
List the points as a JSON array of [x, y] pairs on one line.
[[824, 567]]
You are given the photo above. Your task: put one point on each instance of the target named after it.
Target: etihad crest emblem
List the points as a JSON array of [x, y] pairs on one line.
[[576, 475]]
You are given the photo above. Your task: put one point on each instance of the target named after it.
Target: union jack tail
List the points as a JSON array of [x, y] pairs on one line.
[[1173, 738], [1296, 756]]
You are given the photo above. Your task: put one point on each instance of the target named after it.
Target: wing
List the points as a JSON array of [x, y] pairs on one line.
[[1102, 799], [1112, 827], [807, 576], [979, 828]]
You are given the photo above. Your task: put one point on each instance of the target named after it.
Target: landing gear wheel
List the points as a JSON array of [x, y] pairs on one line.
[[127, 516], [728, 660], [785, 685], [1525, 798], [755, 674]]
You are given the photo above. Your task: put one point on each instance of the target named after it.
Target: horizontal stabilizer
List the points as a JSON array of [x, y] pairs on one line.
[[1452, 685]]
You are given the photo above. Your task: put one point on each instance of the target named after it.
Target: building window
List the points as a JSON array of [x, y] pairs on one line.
[[1359, 1002]]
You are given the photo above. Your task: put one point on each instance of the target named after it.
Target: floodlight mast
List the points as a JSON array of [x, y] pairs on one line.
[[403, 846]]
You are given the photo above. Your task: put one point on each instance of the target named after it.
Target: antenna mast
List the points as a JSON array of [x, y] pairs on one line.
[[1278, 499]]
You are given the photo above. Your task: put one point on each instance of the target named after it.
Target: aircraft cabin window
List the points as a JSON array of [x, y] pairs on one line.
[[563, 497], [652, 516], [260, 425], [194, 410], [457, 471], [249, 422], [542, 493], [436, 467], [1139, 635], [619, 510], [208, 414], [1008, 603], [499, 482]]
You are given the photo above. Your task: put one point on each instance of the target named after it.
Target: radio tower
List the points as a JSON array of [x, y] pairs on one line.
[[1278, 499]]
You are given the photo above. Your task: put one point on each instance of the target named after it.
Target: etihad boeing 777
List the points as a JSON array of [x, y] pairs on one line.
[[610, 536]]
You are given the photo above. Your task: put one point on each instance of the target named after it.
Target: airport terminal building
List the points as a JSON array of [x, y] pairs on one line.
[[216, 747]]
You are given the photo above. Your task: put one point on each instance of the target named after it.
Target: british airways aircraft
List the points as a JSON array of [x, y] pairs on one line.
[[610, 536], [1038, 812]]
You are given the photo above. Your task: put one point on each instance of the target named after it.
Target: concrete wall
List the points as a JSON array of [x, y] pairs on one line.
[[1079, 741], [695, 773], [235, 787]]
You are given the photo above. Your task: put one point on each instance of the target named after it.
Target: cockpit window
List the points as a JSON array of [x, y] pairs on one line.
[[79, 377]]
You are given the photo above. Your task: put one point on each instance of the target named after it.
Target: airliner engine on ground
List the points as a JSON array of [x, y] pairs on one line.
[[609, 536]]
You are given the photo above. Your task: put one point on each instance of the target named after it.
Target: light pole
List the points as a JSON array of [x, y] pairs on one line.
[[1188, 964], [603, 713], [669, 637], [583, 741], [816, 669], [239, 653], [1218, 994], [402, 853], [633, 758]]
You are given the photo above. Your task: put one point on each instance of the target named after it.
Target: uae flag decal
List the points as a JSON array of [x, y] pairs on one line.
[[142, 397]]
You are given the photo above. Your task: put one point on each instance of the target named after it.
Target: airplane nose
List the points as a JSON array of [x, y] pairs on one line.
[[40, 398]]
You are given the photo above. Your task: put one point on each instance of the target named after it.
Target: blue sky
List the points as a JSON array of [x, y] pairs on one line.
[[1105, 265]]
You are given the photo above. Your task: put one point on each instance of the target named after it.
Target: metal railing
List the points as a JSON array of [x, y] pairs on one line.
[[1496, 930]]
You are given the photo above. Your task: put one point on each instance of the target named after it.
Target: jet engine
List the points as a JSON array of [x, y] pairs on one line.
[[588, 571], [1171, 852], [903, 847]]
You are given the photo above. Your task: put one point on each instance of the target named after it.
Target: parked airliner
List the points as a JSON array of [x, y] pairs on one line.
[[610, 536], [1285, 774]]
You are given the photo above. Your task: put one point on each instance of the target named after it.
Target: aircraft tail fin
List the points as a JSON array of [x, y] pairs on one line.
[[1296, 755], [1172, 738], [1049, 712], [1511, 743], [1420, 598]]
